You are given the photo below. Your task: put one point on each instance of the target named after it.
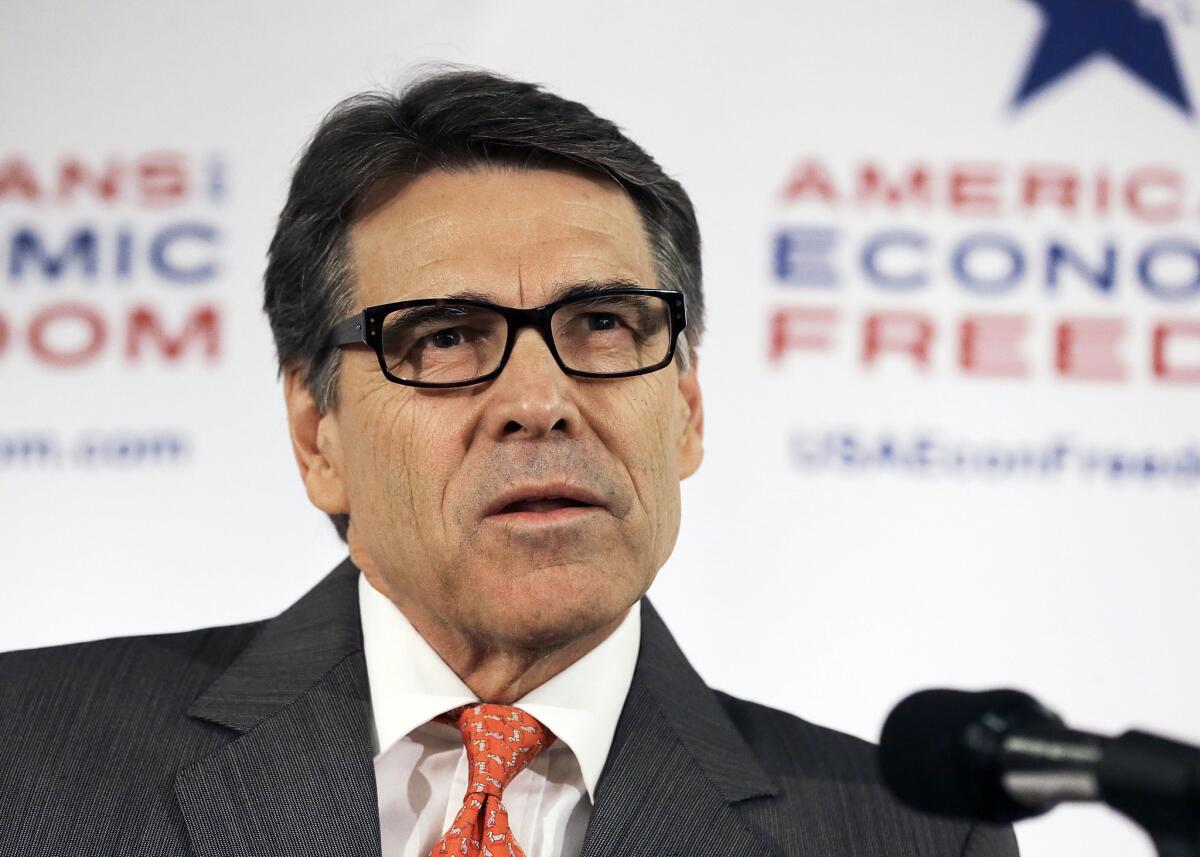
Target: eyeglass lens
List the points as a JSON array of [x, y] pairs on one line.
[[449, 343]]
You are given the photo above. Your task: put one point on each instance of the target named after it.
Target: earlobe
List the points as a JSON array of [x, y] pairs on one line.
[[690, 450], [316, 445]]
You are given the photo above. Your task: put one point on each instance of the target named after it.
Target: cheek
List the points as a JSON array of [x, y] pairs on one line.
[[401, 456], [642, 431]]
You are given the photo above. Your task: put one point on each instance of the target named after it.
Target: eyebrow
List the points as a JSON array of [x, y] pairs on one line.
[[562, 291], [584, 288], [468, 295]]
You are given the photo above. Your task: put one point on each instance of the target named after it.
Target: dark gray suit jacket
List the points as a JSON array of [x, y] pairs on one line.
[[255, 739]]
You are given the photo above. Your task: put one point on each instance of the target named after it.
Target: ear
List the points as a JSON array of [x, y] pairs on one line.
[[316, 445], [690, 447]]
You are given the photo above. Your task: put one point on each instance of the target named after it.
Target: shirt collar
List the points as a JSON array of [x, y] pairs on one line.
[[410, 684]]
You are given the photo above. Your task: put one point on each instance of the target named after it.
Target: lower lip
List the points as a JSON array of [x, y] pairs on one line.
[[565, 515]]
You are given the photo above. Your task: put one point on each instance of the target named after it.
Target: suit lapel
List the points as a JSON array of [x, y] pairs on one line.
[[299, 778], [677, 765]]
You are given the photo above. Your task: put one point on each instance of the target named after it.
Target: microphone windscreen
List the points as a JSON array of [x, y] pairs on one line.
[[939, 752]]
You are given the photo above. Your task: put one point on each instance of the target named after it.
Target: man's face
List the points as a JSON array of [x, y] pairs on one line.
[[464, 502]]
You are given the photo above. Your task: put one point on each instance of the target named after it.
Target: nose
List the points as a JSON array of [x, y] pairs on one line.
[[531, 398]]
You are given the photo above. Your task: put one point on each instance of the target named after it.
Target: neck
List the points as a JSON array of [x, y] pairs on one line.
[[495, 671], [503, 674]]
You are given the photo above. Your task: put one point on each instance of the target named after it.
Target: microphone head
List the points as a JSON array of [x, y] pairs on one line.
[[940, 752]]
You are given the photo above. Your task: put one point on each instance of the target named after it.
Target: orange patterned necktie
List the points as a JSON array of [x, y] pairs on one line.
[[501, 741]]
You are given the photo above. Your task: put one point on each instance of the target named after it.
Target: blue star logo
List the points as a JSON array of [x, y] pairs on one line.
[[1077, 30]]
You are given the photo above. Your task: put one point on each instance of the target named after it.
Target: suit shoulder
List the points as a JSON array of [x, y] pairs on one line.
[[111, 705], [831, 789], [787, 744], [200, 643], [119, 671]]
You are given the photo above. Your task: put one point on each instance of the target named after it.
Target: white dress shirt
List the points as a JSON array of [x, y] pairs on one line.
[[421, 764]]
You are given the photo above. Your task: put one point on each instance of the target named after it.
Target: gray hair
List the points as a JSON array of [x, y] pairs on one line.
[[450, 120]]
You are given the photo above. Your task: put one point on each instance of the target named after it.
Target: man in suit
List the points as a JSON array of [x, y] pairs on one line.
[[486, 302]]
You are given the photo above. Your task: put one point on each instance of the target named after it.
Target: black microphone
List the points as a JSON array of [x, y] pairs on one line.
[[1000, 756]]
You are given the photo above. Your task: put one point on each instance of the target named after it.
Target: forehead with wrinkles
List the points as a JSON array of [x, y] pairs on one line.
[[514, 235]]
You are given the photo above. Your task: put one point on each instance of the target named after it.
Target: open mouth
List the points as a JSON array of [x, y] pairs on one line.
[[543, 505], [544, 502]]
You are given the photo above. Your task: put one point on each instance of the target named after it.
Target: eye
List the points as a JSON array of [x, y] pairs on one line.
[[602, 321], [447, 338]]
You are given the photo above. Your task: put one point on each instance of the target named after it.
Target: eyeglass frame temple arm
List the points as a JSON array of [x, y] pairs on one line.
[[348, 331]]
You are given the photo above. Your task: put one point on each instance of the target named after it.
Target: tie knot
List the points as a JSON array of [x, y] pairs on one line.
[[501, 741]]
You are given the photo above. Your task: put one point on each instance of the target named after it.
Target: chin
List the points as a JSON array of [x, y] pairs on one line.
[[554, 607]]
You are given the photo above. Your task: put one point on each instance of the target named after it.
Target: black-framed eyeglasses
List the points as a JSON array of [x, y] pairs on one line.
[[448, 342]]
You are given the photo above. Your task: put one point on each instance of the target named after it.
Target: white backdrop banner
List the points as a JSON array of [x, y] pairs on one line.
[[952, 373]]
